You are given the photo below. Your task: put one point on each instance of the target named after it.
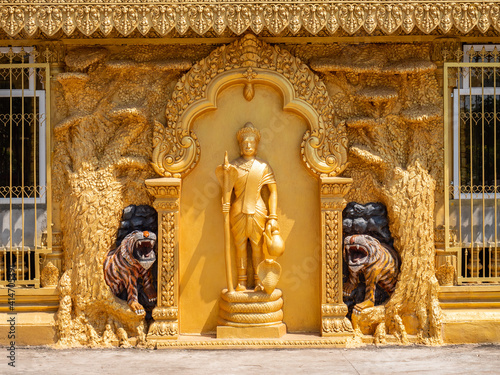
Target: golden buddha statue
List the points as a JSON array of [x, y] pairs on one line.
[[243, 180], [249, 206], [248, 214]]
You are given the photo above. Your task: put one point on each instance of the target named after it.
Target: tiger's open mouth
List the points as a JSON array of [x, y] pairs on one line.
[[145, 254], [357, 255], [145, 247]]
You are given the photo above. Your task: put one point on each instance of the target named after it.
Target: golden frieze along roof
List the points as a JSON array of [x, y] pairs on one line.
[[26, 18]]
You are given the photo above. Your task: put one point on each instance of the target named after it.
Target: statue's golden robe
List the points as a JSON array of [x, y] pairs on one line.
[[248, 213]]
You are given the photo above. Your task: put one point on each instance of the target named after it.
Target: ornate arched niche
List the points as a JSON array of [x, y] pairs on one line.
[[250, 64]]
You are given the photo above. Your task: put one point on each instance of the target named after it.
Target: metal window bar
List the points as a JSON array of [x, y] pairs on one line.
[[471, 174], [25, 178]]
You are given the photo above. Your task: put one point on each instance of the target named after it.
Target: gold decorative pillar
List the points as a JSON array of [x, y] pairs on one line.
[[167, 192], [443, 49], [54, 54], [446, 259], [333, 309]]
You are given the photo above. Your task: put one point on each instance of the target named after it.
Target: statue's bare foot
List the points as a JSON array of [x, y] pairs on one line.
[[259, 288], [241, 287]]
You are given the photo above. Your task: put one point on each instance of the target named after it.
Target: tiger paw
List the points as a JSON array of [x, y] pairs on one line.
[[348, 289], [151, 295], [363, 305], [150, 291], [137, 308]]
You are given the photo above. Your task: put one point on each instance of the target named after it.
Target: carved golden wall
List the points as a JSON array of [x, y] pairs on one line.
[[107, 104], [392, 104]]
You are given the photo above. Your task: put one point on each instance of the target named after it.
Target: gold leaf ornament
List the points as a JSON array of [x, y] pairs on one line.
[[276, 18], [426, 17], [31, 25], [182, 21], [295, 20], [69, 24], [201, 18], [257, 22], [12, 20], [465, 17], [219, 23], [332, 24], [50, 19], [408, 18], [484, 21], [446, 23], [370, 23], [239, 18], [163, 19], [125, 19], [107, 22], [87, 19], [351, 17], [144, 25], [389, 17], [314, 18], [495, 16]]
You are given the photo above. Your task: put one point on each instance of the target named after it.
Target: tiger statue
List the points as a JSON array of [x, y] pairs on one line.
[[129, 262], [378, 262]]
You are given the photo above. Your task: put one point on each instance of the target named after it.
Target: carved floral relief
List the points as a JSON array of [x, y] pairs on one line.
[[176, 148], [388, 106], [389, 98], [103, 144], [313, 17]]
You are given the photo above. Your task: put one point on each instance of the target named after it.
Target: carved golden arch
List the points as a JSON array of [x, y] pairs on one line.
[[249, 61], [176, 152]]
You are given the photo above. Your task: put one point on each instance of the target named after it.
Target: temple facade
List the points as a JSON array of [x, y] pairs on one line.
[[257, 173]]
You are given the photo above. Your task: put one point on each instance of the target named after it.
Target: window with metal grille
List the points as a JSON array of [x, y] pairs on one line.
[[475, 118], [472, 205], [24, 192]]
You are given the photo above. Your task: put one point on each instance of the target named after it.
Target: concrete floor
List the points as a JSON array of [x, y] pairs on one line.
[[457, 359]]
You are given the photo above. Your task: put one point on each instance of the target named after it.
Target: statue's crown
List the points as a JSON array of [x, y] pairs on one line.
[[248, 129]]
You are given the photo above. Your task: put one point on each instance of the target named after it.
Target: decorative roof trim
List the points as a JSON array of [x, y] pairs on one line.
[[277, 17]]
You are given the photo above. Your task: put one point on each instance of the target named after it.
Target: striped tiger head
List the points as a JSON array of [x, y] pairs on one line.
[[140, 245], [360, 250]]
